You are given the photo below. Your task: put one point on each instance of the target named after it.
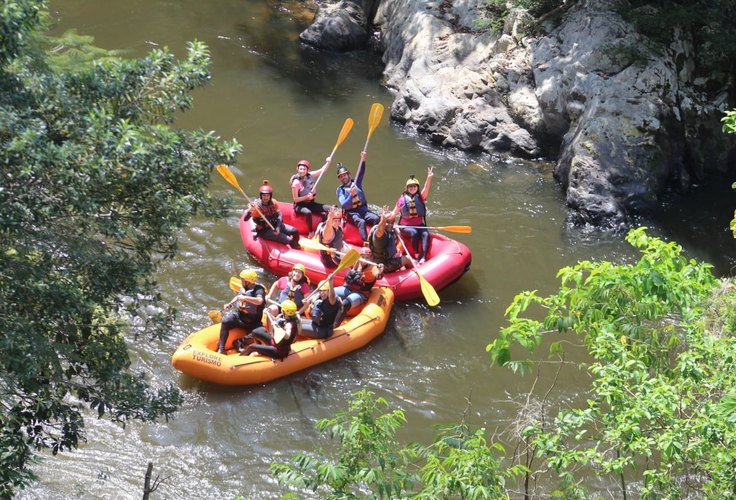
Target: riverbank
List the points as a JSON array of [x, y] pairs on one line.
[[625, 122]]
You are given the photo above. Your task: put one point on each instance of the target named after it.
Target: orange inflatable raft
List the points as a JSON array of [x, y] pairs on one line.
[[197, 355]]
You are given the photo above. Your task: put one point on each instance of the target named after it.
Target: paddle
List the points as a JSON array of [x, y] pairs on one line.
[[346, 127], [374, 118], [451, 229], [278, 332], [310, 244], [230, 178], [216, 315], [430, 295], [348, 260]]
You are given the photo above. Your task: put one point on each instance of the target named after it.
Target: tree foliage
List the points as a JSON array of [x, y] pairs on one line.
[[93, 192], [368, 458], [729, 127], [660, 409]]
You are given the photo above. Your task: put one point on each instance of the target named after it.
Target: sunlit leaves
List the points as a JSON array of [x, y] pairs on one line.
[[94, 191], [662, 360], [459, 464]]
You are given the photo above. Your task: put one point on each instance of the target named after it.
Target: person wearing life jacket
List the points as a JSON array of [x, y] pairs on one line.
[[250, 302], [412, 208], [274, 345], [267, 209], [294, 286], [324, 309], [303, 191], [358, 284], [330, 234], [352, 199], [384, 244]]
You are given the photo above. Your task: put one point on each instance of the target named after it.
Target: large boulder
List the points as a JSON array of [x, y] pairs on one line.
[[630, 119], [340, 26], [625, 122], [442, 69]]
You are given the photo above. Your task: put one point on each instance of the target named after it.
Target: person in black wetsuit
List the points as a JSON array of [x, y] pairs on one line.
[[325, 306], [274, 344]]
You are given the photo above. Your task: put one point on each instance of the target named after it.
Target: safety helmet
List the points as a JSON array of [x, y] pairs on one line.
[[412, 180], [305, 163], [288, 307], [324, 286], [341, 169], [248, 275], [299, 267], [265, 188]]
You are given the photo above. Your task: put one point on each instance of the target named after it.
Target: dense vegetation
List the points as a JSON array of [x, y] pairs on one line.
[[94, 190], [658, 419]]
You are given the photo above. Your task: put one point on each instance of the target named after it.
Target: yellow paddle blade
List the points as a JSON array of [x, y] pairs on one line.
[[348, 260], [374, 117], [215, 316], [346, 127], [430, 294], [278, 334], [235, 284], [310, 244], [225, 172]]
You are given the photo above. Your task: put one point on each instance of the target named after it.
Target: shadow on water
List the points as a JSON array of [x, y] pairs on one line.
[[316, 74], [699, 221]]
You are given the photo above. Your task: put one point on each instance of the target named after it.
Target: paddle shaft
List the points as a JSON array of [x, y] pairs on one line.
[[348, 260], [430, 294], [452, 229], [346, 127], [227, 174]]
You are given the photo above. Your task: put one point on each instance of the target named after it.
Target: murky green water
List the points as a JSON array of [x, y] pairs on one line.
[[285, 102]]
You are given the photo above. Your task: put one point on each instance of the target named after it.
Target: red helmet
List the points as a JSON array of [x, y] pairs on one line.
[[305, 163], [265, 188]]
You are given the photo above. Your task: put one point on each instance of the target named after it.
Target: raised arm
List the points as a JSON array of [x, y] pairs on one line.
[[427, 183], [361, 170], [317, 173]]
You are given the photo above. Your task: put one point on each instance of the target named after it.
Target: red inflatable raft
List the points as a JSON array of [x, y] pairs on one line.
[[447, 259]]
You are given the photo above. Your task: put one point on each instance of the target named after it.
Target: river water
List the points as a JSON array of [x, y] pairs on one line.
[[285, 102]]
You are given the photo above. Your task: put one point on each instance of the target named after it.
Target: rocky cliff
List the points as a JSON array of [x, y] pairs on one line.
[[625, 121]]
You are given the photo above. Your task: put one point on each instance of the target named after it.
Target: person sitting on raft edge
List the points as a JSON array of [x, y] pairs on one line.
[[268, 219], [303, 192]]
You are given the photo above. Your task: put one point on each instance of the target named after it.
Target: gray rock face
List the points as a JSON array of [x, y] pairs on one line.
[[626, 123], [629, 118], [340, 26], [442, 68]]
